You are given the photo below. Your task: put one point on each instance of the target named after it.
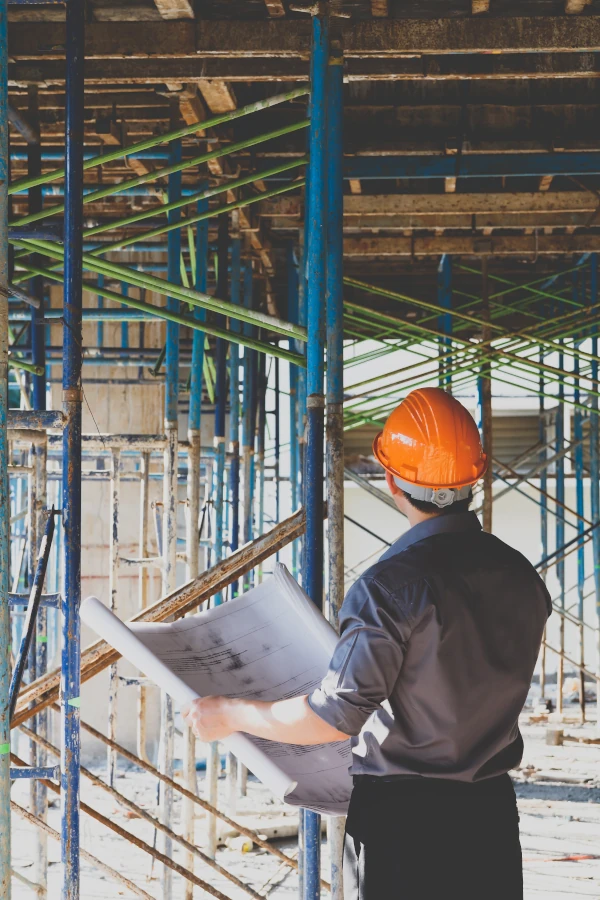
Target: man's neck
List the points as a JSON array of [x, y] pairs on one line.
[[415, 516]]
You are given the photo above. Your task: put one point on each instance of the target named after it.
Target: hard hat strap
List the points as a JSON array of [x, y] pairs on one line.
[[439, 496]]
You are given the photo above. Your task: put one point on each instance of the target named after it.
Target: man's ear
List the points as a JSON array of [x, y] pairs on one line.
[[393, 487]]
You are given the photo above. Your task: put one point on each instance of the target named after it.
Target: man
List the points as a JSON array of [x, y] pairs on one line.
[[439, 640]]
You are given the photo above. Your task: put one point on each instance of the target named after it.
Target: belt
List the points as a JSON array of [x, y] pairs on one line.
[[384, 779]]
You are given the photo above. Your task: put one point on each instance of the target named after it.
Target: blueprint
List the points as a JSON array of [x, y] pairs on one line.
[[270, 643]]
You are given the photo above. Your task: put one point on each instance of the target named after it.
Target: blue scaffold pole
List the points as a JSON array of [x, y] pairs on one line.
[[234, 408], [72, 400], [292, 297], [221, 394], [314, 451], [5, 887], [594, 439]]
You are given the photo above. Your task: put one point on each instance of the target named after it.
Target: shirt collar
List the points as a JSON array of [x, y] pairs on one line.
[[448, 524]]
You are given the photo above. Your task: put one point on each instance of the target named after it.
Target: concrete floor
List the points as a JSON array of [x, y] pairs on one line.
[[559, 800]]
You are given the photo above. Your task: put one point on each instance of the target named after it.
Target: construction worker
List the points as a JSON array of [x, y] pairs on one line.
[[438, 644]]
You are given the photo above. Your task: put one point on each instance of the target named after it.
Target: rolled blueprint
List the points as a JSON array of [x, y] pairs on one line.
[[116, 633]]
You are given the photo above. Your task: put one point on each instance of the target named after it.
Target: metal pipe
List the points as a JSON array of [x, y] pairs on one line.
[[170, 504], [445, 321], [315, 271], [484, 384], [221, 397], [5, 636], [127, 187], [72, 399], [147, 143], [560, 535], [543, 513], [335, 392], [248, 422], [580, 507], [595, 472], [234, 410], [292, 295], [164, 287], [143, 591], [113, 589]]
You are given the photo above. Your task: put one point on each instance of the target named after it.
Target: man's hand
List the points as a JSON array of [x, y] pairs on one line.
[[290, 721], [209, 718]]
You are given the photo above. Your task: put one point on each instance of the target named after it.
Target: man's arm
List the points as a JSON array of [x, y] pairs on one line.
[[289, 721]]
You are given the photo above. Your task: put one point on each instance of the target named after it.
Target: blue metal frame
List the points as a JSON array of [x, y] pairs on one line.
[[292, 297], [316, 278], [72, 397], [234, 409], [445, 322], [475, 165], [221, 394], [578, 291], [5, 878], [594, 439]]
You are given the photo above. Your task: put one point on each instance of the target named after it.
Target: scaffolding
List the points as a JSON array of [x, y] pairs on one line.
[[539, 337]]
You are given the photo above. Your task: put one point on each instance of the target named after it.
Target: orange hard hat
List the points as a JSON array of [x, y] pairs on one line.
[[430, 440]]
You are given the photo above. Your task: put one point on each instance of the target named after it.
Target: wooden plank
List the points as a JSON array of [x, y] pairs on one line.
[[450, 184], [479, 6], [283, 38], [275, 8], [175, 9], [380, 8], [100, 655], [530, 246], [575, 7], [545, 182], [355, 186], [218, 95]]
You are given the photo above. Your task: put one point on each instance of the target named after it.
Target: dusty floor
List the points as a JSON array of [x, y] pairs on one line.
[[559, 801]]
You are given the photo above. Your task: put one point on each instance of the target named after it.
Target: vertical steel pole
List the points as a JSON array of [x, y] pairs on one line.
[[292, 295], [5, 885], [335, 391], [261, 429], [315, 274], [560, 526], [578, 291], [37, 502], [170, 504], [221, 393], [72, 398], [277, 466], [193, 512], [544, 512], [595, 474], [445, 321], [485, 403], [38, 337], [113, 575], [234, 408], [143, 593], [248, 421]]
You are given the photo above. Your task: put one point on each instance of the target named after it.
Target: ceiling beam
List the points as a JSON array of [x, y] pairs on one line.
[[434, 68], [526, 246], [366, 206], [218, 95], [281, 38], [479, 6]]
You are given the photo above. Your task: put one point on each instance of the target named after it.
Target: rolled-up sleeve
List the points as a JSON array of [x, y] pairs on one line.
[[367, 659]]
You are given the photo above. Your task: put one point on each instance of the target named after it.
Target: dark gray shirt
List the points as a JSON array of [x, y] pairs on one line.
[[439, 640]]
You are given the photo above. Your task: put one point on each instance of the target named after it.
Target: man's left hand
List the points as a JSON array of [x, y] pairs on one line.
[[209, 718]]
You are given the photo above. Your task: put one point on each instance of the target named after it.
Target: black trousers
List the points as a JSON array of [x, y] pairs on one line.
[[425, 838]]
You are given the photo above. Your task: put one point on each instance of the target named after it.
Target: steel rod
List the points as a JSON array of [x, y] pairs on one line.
[[122, 152], [72, 402], [5, 632]]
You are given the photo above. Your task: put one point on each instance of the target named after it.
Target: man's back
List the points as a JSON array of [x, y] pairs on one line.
[[439, 643]]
